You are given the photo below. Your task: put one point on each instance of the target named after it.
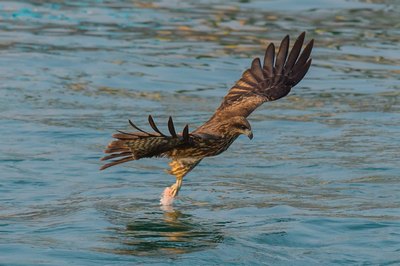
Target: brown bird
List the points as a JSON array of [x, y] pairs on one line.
[[258, 84]]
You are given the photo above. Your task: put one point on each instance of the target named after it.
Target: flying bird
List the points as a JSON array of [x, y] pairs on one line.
[[260, 83]]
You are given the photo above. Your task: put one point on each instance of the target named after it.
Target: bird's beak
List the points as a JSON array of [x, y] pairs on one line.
[[250, 134]]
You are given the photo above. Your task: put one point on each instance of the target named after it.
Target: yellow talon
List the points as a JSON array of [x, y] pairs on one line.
[[170, 193], [176, 187]]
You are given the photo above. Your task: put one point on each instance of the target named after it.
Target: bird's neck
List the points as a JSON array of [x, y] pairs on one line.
[[232, 138]]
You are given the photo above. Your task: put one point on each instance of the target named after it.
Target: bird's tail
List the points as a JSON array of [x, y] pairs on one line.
[[141, 144], [119, 150]]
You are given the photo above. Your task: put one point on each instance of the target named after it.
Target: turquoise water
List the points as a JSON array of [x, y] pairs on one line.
[[319, 183]]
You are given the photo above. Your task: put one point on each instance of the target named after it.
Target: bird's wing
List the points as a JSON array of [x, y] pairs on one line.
[[180, 167], [269, 82], [141, 144]]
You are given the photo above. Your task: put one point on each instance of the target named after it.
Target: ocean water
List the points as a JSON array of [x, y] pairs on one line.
[[318, 184]]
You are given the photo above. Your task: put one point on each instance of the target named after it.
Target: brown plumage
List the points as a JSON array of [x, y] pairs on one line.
[[258, 84]]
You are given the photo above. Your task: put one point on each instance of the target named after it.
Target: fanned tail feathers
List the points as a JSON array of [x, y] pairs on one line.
[[141, 144]]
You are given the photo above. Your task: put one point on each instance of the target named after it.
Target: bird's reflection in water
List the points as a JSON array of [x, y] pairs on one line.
[[164, 233]]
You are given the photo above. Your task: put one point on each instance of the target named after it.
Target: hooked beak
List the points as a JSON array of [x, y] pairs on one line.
[[250, 134]]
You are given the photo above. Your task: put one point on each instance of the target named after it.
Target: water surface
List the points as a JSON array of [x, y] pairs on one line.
[[319, 183]]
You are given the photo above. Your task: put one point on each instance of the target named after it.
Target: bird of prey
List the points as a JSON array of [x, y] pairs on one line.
[[260, 83]]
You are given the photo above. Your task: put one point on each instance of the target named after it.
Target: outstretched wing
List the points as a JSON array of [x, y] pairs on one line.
[[269, 82], [141, 144]]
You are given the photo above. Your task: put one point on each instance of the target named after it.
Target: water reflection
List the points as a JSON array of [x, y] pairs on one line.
[[163, 233]]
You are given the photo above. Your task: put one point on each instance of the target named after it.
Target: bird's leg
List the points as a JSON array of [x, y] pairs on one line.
[[174, 189], [171, 192]]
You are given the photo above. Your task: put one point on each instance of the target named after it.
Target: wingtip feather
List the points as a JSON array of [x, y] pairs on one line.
[[154, 127], [171, 127], [269, 58], [282, 55], [185, 133]]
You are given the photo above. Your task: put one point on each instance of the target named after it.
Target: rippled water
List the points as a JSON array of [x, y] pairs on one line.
[[319, 183]]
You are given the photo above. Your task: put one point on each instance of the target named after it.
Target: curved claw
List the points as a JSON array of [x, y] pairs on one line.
[[170, 193], [174, 189]]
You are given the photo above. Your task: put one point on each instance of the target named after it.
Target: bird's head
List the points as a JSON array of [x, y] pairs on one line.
[[239, 125]]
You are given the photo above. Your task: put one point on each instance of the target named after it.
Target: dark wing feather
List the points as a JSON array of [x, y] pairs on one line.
[[171, 127], [141, 144], [269, 82]]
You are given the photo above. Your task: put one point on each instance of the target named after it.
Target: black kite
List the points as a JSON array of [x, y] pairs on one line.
[[258, 84]]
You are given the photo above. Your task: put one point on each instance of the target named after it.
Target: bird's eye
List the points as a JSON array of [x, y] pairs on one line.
[[243, 127]]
